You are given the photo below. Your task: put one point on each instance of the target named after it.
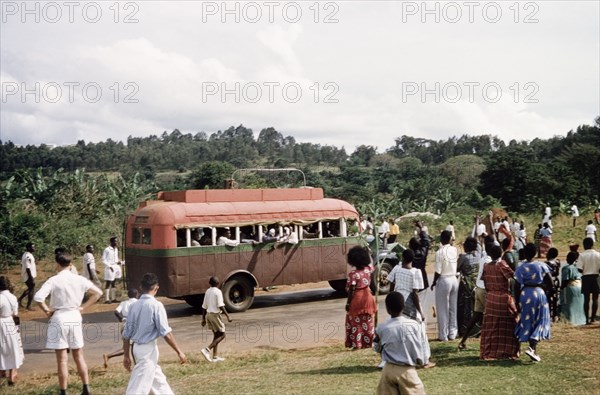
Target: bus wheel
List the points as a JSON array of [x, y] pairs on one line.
[[384, 285], [338, 285], [238, 294]]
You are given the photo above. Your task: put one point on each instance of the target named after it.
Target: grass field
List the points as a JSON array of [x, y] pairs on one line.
[[569, 366]]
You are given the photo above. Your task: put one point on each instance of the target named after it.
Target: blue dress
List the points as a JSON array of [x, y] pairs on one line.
[[534, 321]]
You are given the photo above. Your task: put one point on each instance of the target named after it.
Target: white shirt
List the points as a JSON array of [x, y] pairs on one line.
[[446, 259], [590, 231], [224, 241], [110, 259], [384, 228], [89, 260], [480, 229], [450, 228], [366, 227], [589, 262], [575, 211], [124, 307], [213, 300], [28, 262], [66, 290], [8, 304]]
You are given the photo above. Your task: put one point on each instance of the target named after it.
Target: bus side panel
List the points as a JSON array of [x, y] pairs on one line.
[[272, 266], [334, 263], [251, 259], [292, 263], [312, 270], [178, 275], [138, 265], [201, 268]]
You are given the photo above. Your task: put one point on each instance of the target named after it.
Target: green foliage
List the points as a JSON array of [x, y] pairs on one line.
[[66, 209], [210, 175]]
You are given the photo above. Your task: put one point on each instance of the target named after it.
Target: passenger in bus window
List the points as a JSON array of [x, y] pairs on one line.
[[289, 236], [206, 238], [270, 236], [247, 235], [224, 238], [334, 229], [311, 233], [195, 238]]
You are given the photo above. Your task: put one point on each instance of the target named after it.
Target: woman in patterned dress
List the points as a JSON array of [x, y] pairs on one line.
[[534, 321], [361, 306], [500, 317], [571, 298]]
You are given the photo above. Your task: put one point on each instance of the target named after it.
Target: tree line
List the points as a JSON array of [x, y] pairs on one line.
[[74, 195]]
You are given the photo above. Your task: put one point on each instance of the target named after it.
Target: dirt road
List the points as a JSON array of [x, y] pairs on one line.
[[285, 320]]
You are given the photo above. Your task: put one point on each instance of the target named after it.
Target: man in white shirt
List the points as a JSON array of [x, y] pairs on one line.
[[112, 270], [590, 230], [446, 295], [450, 228], [225, 238], [66, 291], [574, 214], [28, 274], [588, 264], [384, 231], [89, 266]]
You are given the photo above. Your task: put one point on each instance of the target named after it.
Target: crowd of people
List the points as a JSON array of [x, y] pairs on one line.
[[496, 287]]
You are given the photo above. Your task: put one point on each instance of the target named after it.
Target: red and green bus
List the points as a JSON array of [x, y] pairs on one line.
[[178, 237]]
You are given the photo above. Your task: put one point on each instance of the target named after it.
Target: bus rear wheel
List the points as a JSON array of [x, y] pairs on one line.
[[238, 294]]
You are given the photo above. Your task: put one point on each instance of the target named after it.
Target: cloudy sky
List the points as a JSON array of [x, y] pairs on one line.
[[342, 73]]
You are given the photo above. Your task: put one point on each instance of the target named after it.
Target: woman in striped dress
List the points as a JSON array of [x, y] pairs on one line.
[[500, 317]]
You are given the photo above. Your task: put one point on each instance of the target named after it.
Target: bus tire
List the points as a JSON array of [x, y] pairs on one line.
[[238, 294], [338, 285], [194, 300], [384, 285]]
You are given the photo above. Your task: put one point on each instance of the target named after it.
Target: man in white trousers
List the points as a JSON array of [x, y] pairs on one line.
[[446, 294], [112, 270], [146, 321]]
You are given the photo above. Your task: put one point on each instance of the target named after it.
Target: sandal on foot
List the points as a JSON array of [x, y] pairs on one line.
[[462, 346]]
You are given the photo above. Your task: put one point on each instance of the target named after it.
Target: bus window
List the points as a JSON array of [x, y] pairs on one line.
[[206, 239], [311, 232], [147, 236], [195, 237], [225, 237], [136, 236], [181, 237]]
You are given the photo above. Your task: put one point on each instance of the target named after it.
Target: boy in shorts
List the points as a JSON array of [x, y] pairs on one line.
[[121, 312], [212, 307], [65, 332]]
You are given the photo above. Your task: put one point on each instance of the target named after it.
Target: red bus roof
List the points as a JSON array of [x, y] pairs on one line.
[[239, 207]]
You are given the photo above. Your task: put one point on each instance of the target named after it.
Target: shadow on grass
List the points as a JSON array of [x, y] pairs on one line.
[[355, 369], [448, 356]]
